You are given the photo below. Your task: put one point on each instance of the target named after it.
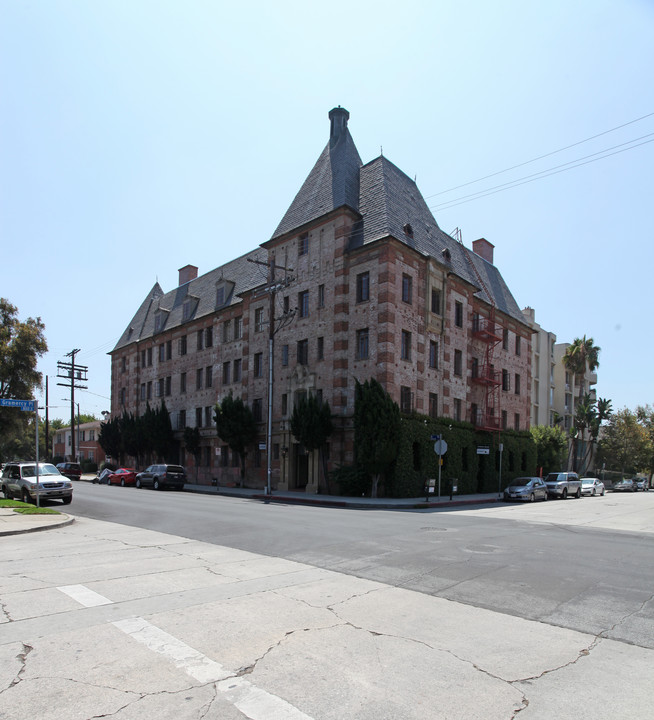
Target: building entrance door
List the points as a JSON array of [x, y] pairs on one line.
[[301, 466]]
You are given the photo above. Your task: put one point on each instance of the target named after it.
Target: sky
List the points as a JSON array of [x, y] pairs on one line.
[[139, 136]]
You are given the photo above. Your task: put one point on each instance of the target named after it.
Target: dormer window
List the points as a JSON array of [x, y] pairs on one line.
[[408, 230], [189, 308], [160, 320], [220, 296], [447, 255]]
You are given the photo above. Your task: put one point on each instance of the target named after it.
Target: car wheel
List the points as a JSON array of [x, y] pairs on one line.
[[578, 493], [593, 492], [6, 492], [602, 493], [546, 496], [67, 500], [564, 494], [156, 485], [25, 496], [138, 483], [532, 498], [122, 483]]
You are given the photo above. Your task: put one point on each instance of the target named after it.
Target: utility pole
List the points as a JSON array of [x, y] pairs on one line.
[[271, 288], [73, 373]]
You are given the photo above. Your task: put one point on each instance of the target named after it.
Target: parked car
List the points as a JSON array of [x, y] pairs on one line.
[[19, 481], [640, 483], [624, 486], [162, 476], [592, 486], [71, 470], [563, 484], [122, 476], [527, 489]]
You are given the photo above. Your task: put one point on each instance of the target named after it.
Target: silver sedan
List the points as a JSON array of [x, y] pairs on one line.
[[527, 489], [592, 486]]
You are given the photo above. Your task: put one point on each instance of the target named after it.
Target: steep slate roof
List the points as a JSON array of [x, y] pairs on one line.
[[239, 276], [389, 200], [333, 182]]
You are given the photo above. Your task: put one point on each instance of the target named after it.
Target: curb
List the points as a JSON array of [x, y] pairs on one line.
[[67, 520]]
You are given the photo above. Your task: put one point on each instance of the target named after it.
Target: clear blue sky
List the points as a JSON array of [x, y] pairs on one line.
[[139, 136]]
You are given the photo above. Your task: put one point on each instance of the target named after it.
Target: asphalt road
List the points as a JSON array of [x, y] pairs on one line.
[[580, 564]]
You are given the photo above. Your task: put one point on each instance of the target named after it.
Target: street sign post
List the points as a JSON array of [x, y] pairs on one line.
[[440, 448]]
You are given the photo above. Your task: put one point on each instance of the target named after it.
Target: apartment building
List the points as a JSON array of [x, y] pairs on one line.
[[357, 281], [87, 446], [543, 366]]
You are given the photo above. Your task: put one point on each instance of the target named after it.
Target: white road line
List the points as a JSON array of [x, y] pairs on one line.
[[185, 657], [253, 702], [84, 596]]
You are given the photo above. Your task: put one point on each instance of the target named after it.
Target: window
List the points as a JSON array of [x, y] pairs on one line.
[[257, 409], [258, 320], [284, 404], [405, 399], [287, 305], [407, 289], [405, 351], [188, 308], [433, 405], [182, 383], [160, 387], [142, 391], [303, 352], [303, 303], [162, 352], [207, 417], [238, 365], [226, 330], [506, 382], [362, 344], [209, 376], [258, 365], [220, 296], [226, 373], [433, 354], [321, 296], [198, 417], [476, 322], [517, 344], [320, 348], [142, 358], [284, 355], [517, 384], [150, 357], [200, 339], [182, 345], [436, 301], [505, 339], [198, 379], [475, 367], [208, 337], [457, 409], [474, 414], [505, 420], [516, 421], [169, 386], [181, 422], [159, 321], [458, 314], [363, 287], [149, 392], [238, 328], [458, 362], [303, 244]]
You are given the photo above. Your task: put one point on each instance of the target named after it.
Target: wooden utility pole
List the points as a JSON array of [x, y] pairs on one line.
[[73, 373]]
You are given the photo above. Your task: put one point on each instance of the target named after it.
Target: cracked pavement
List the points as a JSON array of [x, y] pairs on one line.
[[101, 620]]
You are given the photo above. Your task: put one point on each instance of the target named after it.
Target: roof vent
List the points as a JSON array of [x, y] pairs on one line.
[[447, 255], [408, 230], [338, 117]]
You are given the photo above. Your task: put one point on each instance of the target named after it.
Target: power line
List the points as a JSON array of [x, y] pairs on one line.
[[540, 157], [530, 178]]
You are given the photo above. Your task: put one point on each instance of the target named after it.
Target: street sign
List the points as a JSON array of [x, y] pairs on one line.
[[440, 447], [435, 437], [24, 405], [483, 450]]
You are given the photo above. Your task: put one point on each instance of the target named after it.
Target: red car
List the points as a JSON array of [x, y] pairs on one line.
[[122, 476]]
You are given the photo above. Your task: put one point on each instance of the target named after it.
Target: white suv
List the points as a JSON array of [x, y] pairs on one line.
[[19, 481]]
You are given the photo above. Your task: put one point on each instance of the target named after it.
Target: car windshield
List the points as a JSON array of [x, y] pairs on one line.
[[552, 477], [44, 469], [588, 481]]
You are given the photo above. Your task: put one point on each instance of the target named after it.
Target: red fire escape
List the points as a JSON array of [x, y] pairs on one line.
[[484, 329]]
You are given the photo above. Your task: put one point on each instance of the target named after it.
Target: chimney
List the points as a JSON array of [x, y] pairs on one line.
[[338, 117], [187, 273], [484, 249]]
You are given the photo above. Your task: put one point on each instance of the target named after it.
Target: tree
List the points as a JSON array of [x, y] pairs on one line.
[[625, 445], [645, 415], [162, 437], [376, 429], [21, 345], [192, 445], [311, 423], [580, 357], [236, 426], [110, 439], [550, 447]]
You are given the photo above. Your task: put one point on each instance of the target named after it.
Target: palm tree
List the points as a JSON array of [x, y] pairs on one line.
[[580, 357]]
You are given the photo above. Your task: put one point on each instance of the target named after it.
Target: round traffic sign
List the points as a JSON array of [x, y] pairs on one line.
[[440, 447]]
